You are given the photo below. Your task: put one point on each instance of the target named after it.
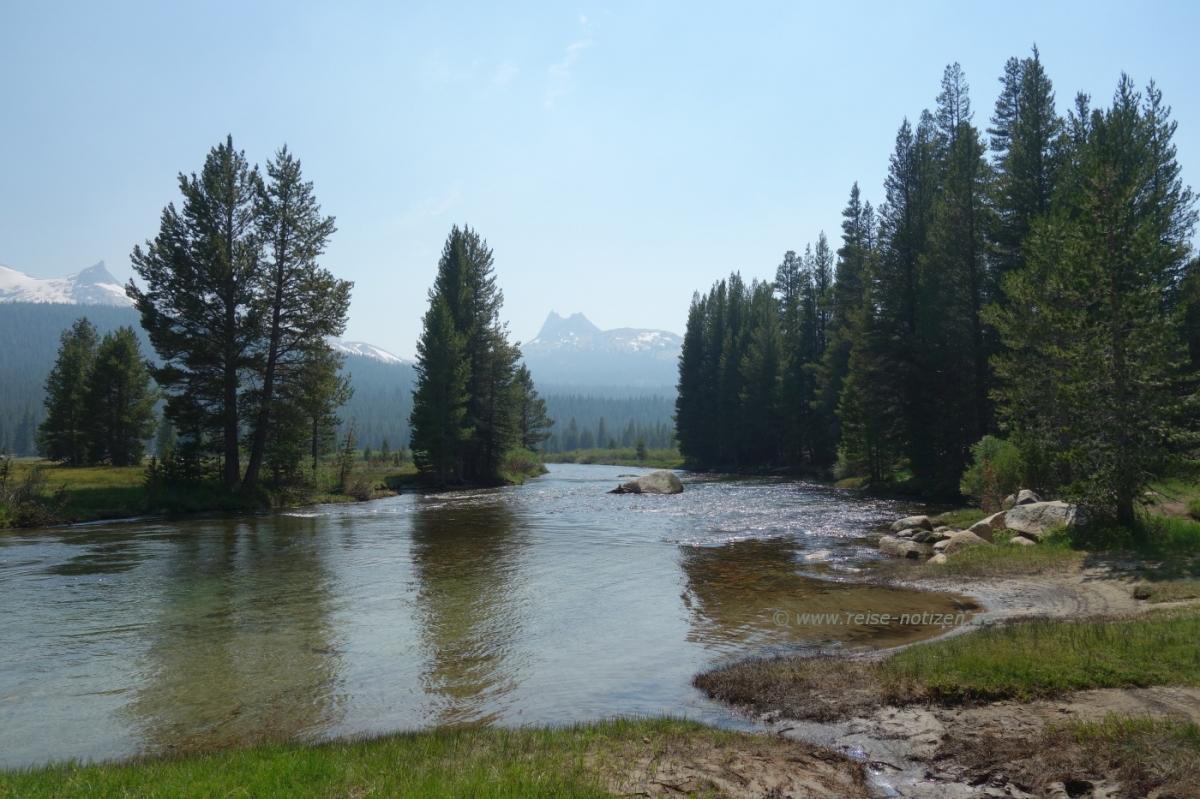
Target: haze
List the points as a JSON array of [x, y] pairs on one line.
[[617, 157]]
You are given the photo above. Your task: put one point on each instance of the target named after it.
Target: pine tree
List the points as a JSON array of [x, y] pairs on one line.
[[439, 416], [64, 434], [1093, 324], [1027, 144], [120, 400], [301, 303], [533, 423], [200, 306]]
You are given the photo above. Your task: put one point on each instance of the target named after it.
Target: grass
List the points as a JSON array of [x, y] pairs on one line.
[[959, 518], [665, 458], [577, 761], [1023, 661], [91, 493], [999, 560]]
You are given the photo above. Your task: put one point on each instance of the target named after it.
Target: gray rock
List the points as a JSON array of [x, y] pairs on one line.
[[960, 541], [1027, 497], [900, 548], [1022, 541], [986, 528], [939, 557], [1009, 502], [940, 535], [1032, 521], [911, 523], [940, 546], [662, 481], [922, 536], [941, 529]]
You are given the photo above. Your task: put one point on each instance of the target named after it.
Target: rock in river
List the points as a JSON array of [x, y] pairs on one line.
[[662, 481]]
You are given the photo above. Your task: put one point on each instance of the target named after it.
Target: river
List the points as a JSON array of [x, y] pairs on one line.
[[546, 603]]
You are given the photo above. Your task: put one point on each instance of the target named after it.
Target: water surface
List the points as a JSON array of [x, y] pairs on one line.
[[550, 602]]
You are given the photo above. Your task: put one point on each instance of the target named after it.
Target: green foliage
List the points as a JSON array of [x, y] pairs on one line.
[[641, 449], [238, 311], [1093, 325], [120, 399], [997, 470], [64, 435], [469, 404]]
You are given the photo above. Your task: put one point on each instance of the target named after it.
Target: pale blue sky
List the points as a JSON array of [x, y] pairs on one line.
[[617, 156]]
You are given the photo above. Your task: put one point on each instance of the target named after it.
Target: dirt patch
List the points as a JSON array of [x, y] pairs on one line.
[[753, 767]]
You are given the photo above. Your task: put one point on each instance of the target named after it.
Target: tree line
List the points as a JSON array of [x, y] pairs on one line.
[[1036, 284]]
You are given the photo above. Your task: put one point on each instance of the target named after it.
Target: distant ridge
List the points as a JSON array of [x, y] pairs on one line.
[[574, 351], [91, 286], [366, 350]]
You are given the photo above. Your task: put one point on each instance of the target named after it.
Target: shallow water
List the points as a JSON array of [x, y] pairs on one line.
[[551, 602]]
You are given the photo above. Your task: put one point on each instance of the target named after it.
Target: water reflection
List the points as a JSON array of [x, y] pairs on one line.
[[752, 594], [242, 649], [465, 553]]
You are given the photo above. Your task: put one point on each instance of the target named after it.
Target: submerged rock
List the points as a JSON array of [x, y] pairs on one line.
[[912, 523], [901, 548], [1033, 520], [662, 481]]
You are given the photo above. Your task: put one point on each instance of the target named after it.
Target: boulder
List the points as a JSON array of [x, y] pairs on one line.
[[900, 548], [986, 528], [1027, 497], [662, 481], [941, 528], [940, 557], [912, 523], [964, 540], [1022, 541], [922, 536], [1009, 502], [940, 546], [1033, 520]]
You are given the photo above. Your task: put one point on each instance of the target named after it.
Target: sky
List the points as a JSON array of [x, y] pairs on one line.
[[617, 157]]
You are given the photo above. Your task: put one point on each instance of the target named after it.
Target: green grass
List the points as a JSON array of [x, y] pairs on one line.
[[999, 560], [1168, 591], [1047, 658], [666, 458], [959, 518], [482, 762]]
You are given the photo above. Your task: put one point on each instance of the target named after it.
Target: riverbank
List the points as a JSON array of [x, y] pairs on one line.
[[625, 757], [1073, 683], [668, 458], [43, 494]]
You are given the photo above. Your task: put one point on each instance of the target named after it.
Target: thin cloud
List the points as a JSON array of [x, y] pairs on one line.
[[507, 71], [559, 82], [433, 207]]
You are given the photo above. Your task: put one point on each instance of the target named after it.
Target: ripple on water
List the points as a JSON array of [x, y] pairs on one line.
[[550, 602]]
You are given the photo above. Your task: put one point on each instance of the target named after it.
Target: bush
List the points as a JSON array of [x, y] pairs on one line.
[[997, 472]]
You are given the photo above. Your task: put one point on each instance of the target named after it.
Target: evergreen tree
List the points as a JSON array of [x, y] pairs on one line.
[[439, 417], [1093, 324], [301, 304], [200, 306], [64, 434], [533, 423], [120, 400], [1027, 145], [305, 420]]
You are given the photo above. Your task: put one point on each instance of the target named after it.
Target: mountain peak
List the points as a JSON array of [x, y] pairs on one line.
[[91, 286], [556, 328]]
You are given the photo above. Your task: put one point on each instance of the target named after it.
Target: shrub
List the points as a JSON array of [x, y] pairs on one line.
[[996, 472]]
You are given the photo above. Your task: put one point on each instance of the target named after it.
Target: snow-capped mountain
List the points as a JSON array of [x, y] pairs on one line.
[[366, 350], [574, 351], [91, 286]]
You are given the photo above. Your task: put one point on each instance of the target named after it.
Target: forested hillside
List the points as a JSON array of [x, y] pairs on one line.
[[584, 421], [29, 338], [1037, 283]]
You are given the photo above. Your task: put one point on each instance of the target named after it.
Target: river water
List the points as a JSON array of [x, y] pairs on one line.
[[551, 602]]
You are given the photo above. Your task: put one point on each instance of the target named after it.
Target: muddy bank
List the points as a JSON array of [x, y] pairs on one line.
[[912, 746]]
